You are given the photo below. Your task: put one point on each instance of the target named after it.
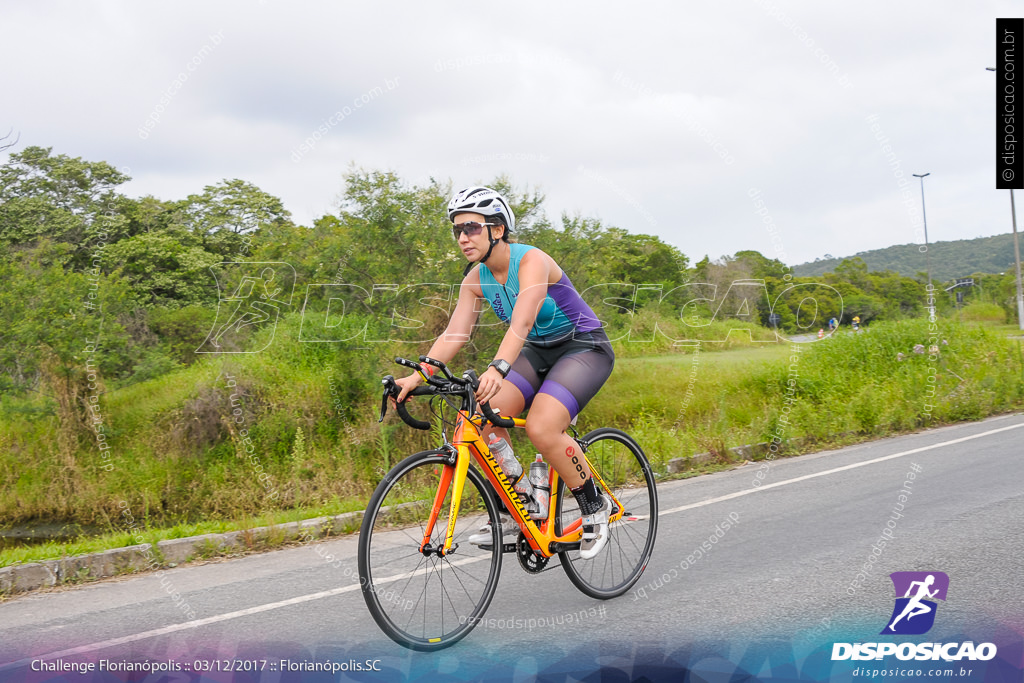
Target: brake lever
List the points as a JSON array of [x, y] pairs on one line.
[[389, 391]]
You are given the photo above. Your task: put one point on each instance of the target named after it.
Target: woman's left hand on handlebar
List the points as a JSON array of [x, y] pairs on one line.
[[407, 384], [489, 386]]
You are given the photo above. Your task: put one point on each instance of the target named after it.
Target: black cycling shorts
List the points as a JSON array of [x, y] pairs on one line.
[[572, 371]]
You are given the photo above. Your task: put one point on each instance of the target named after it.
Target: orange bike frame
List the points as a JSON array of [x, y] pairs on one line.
[[469, 443]]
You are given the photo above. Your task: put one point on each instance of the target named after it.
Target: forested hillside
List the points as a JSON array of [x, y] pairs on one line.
[[960, 258]]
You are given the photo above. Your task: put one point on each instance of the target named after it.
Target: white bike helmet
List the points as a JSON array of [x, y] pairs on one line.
[[484, 201]]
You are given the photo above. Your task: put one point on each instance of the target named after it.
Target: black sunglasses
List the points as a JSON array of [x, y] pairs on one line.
[[471, 228]]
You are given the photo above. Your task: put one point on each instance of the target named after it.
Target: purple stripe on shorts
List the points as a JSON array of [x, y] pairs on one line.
[[524, 387], [562, 395]]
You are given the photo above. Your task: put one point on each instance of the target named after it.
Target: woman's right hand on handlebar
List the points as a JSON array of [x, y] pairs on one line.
[[407, 384]]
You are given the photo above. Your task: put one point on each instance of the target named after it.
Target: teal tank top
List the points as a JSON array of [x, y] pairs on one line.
[[562, 314]]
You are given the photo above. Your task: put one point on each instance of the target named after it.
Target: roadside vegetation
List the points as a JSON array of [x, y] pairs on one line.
[[849, 387], [130, 381]]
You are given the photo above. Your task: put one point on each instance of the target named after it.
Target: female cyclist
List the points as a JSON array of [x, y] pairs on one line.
[[553, 359]]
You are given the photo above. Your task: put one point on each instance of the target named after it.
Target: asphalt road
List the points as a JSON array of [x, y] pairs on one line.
[[780, 579]]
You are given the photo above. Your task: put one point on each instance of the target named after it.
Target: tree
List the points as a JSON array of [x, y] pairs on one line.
[[61, 198], [854, 271], [170, 246], [640, 259], [165, 267], [867, 307], [148, 214], [393, 233], [761, 266], [61, 330], [573, 247], [7, 145], [225, 215]]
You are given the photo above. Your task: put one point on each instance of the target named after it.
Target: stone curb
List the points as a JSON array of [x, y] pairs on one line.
[[22, 578], [748, 452]]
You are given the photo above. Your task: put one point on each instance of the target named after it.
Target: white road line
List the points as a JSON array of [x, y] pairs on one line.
[[787, 482], [347, 589], [223, 617]]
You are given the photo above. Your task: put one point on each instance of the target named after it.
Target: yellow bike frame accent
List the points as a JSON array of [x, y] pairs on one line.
[[469, 444]]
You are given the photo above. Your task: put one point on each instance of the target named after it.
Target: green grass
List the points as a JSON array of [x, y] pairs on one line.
[[182, 470], [846, 384], [982, 312], [1010, 330], [651, 335], [107, 541], [724, 359]]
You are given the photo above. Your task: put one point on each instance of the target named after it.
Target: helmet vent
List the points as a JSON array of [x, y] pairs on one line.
[[482, 200]]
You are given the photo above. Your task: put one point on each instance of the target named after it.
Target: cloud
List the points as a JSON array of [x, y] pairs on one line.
[[675, 110]]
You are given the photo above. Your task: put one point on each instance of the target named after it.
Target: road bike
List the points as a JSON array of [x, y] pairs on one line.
[[425, 585]]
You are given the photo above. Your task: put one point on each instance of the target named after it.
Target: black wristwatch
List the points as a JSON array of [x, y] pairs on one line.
[[501, 366]]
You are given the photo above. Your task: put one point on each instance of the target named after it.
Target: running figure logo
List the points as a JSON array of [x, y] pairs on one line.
[[914, 612], [251, 295]]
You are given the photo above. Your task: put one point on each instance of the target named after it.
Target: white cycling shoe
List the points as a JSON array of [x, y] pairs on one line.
[[595, 530], [509, 531]]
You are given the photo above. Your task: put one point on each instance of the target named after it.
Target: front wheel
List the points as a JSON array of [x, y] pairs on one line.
[[621, 463], [420, 600]]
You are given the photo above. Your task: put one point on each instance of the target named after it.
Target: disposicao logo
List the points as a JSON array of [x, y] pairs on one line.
[[914, 614]]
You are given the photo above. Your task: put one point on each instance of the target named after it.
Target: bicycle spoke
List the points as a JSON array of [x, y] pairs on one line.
[[624, 471], [444, 591], [411, 576], [411, 553], [413, 609], [627, 536], [453, 570], [438, 599]]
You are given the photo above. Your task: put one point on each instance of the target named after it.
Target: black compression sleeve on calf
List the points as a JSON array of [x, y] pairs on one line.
[[587, 497]]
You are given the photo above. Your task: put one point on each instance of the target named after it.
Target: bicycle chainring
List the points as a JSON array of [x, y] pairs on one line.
[[531, 562]]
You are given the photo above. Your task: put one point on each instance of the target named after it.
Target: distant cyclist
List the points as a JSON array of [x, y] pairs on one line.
[[553, 359], [832, 325], [856, 323]]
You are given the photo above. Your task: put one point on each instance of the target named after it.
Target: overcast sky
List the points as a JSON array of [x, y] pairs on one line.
[[658, 117]]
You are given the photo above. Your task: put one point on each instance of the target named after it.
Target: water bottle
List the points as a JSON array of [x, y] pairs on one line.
[[541, 488], [510, 466]]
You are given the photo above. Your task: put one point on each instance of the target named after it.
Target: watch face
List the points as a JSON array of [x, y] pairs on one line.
[[502, 366]]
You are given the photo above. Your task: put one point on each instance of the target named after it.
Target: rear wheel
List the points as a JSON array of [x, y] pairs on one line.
[[621, 463], [421, 600]]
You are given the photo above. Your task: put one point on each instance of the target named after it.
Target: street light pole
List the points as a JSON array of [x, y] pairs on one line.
[[1016, 255], [927, 256]]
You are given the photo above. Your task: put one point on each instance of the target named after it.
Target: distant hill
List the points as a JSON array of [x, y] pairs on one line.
[[959, 258]]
